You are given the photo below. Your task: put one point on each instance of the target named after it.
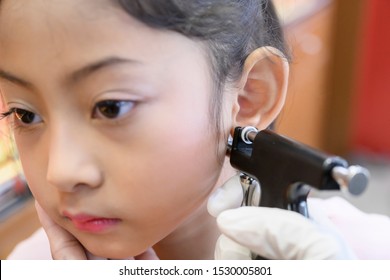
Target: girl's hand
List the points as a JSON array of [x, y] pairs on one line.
[[64, 246]]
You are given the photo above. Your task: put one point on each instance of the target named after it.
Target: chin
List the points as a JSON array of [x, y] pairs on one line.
[[114, 250]]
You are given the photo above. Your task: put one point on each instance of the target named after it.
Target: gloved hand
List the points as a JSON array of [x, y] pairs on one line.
[[270, 232]]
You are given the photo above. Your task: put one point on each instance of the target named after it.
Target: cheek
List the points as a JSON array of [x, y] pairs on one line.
[[187, 170], [175, 175], [29, 161], [32, 153]]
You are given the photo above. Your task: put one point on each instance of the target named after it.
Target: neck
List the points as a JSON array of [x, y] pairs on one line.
[[195, 239]]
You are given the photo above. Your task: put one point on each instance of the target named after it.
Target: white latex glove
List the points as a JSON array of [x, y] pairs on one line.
[[269, 232]]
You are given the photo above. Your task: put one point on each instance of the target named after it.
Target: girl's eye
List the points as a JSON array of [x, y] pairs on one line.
[[111, 109], [26, 117]]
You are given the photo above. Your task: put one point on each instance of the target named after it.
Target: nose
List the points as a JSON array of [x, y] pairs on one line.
[[71, 161]]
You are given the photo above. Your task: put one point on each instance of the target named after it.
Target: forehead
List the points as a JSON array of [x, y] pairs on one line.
[[43, 43], [53, 23], [71, 32], [19, 15], [56, 9]]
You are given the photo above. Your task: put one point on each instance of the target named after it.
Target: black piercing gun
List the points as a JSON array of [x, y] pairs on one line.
[[286, 170]]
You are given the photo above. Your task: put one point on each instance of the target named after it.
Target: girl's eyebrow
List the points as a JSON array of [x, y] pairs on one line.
[[75, 76], [15, 80], [89, 69]]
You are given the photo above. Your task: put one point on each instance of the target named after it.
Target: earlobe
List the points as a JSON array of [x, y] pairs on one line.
[[263, 88]]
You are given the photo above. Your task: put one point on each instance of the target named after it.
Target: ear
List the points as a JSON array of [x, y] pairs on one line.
[[262, 88]]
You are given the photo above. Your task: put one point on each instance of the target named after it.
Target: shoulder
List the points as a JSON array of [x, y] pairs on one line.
[[368, 234], [36, 247]]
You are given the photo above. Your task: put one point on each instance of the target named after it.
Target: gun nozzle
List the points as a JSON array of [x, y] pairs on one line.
[[248, 134]]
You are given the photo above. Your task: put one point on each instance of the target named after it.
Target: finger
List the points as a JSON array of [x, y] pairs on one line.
[[227, 249], [149, 254], [90, 256], [63, 245], [318, 212], [229, 196]]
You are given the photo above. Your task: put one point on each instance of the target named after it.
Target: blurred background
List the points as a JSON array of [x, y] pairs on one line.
[[338, 101]]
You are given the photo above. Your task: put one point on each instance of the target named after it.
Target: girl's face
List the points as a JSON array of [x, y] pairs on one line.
[[111, 120]]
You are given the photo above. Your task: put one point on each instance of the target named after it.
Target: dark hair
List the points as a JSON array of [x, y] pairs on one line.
[[230, 29]]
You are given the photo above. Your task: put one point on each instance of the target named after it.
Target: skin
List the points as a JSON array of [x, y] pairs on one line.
[[152, 166]]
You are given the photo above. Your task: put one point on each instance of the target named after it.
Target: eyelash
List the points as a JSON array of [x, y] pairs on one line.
[[102, 110], [18, 115]]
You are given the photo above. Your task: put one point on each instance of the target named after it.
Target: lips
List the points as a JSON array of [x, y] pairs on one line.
[[90, 223]]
